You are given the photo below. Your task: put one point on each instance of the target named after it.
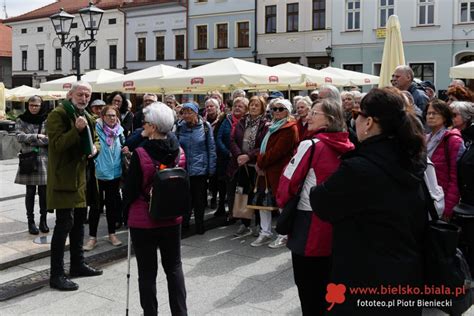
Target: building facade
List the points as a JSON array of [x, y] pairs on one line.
[[155, 34], [220, 29], [37, 52], [437, 35], [5, 55], [295, 31]]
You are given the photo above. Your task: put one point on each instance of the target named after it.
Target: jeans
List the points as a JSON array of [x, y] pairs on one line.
[[111, 189], [145, 243], [198, 199], [30, 201], [68, 222], [311, 278]]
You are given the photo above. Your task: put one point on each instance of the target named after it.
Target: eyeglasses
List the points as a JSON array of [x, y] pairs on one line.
[[314, 113], [356, 113], [145, 122], [278, 109], [34, 105], [432, 113]]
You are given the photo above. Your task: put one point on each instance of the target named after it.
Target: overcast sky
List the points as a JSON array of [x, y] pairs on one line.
[[17, 7]]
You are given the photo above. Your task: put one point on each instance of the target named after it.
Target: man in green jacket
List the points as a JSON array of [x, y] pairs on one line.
[[72, 141]]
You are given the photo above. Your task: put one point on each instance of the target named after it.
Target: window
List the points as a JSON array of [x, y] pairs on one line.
[[386, 9], [113, 57], [24, 60], [23, 31], [353, 67], [243, 34], [112, 21], [270, 18], [353, 14], [40, 59], [142, 49], [58, 59], [179, 47], [222, 36], [92, 57], [201, 31], [292, 17], [466, 13], [425, 12], [39, 29], [160, 48], [74, 25], [319, 14], [423, 71]]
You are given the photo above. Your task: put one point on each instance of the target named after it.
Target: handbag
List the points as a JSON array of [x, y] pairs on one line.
[[262, 197], [240, 209], [287, 216], [445, 265], [29, 162]]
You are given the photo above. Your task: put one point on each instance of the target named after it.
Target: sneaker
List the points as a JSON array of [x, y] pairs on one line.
[[261, 240], [91, 244], [114, 240], [279, 242], [243, 231]]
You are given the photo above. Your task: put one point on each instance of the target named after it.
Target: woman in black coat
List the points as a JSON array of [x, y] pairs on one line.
[[376, 205], [463, 119]]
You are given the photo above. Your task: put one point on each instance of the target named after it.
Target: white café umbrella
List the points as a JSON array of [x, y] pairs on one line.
[[311, 77], [140, 81], [226, 75], [2, 100], [23, 93], [393, 54], [93, 77], [352, 77], [463, 71]]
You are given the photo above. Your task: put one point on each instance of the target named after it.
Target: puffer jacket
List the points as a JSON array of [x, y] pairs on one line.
[[310, 235], [445, 158], [200, 153], [108, 164]]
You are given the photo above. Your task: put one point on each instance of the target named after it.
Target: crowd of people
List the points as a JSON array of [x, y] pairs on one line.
[[355, 159]]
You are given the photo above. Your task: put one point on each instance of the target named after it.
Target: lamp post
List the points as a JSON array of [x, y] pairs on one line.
[[62, 21], [329, 54]]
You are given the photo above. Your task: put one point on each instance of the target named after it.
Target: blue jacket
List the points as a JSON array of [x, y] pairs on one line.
[[199, 159], [419, 96], [223, 137], [108, 164]]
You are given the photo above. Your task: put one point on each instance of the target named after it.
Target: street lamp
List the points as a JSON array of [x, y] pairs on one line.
[[329, 53], [62, 21]]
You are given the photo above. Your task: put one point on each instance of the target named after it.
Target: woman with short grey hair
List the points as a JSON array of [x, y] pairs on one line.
[[161, 147], [303, 105]]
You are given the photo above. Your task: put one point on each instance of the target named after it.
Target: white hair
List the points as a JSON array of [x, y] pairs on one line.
[[161, 115], [80, 83], [238, 93], [306, 100], [154, 96], [466, 110], [214, 101]]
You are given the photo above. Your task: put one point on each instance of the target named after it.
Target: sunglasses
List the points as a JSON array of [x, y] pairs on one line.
[[356, 113], [278, 109]]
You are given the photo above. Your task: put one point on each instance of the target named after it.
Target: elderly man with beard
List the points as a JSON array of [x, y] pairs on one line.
[[72, 141]]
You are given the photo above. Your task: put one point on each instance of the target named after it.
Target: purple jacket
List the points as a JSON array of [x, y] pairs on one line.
[[236, 141], [444, 159]]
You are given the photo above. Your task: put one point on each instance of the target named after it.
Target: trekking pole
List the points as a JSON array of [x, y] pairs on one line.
[[129, 250]]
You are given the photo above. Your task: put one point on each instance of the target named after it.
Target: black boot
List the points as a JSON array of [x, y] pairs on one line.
[[62, 283], [43, 226], [32, 229]]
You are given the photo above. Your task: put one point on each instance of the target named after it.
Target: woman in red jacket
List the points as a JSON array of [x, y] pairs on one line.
[[276, 150], [445, 146], [311, 239]]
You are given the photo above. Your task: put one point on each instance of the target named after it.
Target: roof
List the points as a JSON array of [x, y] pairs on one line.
[[70, 6], [139, 3], [6, 42]]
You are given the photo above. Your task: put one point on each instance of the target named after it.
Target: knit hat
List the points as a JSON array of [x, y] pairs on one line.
[[191, 106], [428, 84], [286, 103]]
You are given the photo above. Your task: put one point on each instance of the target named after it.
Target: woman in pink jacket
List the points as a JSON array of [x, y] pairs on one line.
[[445, 146], [310, 241]]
